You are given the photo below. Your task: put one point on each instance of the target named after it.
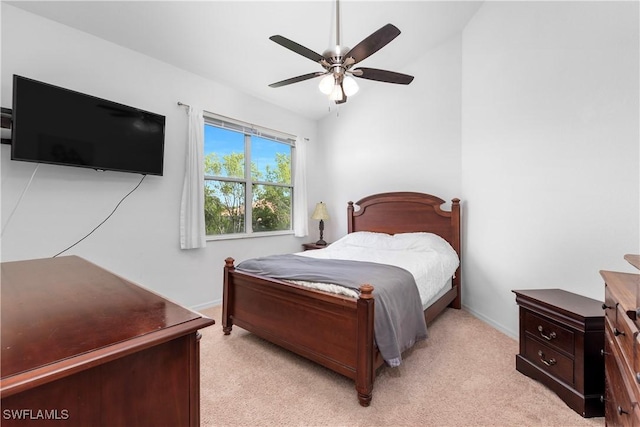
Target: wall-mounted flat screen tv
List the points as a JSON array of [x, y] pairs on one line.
[[59, 126]]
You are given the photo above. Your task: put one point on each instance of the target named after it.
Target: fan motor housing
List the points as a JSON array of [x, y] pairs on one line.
[[335, 55]]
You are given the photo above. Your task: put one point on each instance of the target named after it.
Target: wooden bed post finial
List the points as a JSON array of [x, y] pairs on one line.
[[229, 262], [366, 292]]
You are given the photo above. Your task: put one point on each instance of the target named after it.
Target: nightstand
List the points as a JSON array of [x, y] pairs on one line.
[[312, 246], [561, 345]]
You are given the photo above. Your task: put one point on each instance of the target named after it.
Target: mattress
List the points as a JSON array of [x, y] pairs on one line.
[[428, 257]]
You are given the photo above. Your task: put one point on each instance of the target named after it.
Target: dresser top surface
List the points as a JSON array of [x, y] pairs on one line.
[[633, 260], [559, 299], [57, 308], [625, 287]]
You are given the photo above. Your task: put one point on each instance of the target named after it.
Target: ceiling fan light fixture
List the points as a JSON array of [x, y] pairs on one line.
[[326, 84], [337, 94], [338, 61], [350, 86]]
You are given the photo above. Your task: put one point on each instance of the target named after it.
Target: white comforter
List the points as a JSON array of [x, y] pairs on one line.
[[428, 257]]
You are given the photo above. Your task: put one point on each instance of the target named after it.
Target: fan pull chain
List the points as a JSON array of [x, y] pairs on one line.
[[337, 108]]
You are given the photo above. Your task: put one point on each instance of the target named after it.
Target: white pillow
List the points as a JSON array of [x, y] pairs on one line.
[[365, 239], [421, 242], [415, 242]]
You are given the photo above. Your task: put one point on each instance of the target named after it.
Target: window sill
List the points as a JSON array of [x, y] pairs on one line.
[[249, 235]]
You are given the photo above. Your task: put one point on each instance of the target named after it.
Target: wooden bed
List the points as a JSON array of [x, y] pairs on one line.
[[333, 330]]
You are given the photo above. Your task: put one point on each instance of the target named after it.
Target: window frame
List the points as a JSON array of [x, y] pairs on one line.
[[249, 130]]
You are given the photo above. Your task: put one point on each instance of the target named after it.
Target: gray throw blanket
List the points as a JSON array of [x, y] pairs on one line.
[[398, 321]]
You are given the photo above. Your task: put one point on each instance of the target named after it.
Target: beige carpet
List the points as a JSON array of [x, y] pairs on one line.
[[463, 375]]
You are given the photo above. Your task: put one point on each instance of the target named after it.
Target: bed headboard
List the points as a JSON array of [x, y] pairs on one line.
[[406, 212]]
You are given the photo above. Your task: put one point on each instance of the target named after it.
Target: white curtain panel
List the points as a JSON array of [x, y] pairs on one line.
[[300, 214], [192, 229]]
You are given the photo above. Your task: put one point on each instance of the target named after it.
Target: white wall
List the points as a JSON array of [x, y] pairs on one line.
[[62, 204], [395, 138], [531, 118], [550, 158]]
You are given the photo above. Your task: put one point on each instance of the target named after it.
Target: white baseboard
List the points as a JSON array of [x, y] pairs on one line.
[[206, 305], [492, 323]]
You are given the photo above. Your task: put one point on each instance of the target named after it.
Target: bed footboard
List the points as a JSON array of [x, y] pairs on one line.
[[332, 330]]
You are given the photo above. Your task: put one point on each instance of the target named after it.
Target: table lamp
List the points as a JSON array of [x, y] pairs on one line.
[[321, 213]]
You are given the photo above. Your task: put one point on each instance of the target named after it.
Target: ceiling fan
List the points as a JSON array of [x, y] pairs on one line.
[[338, 61]]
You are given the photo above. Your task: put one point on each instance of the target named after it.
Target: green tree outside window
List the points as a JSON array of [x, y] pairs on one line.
[[229, 185]]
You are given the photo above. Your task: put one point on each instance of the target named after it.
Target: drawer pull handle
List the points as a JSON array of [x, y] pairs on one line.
[[549, 337], [621, 411], [549, 362], [617, 332], [605, 306]]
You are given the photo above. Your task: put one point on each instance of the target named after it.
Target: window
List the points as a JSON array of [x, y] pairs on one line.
[[248, 186]]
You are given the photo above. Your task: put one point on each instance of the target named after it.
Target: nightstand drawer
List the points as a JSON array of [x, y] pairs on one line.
[[549, 360], [552, 334]]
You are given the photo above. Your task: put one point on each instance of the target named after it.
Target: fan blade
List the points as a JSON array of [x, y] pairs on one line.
[[382, 76], [373, 43], [297, 48], [298, 79]]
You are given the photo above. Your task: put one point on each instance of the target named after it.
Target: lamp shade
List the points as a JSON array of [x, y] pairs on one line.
[[326, 84], [350, 86], [320, 212]]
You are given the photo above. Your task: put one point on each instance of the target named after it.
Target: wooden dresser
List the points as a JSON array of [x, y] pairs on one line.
[[84, 347], [622, 346], [561, 342]]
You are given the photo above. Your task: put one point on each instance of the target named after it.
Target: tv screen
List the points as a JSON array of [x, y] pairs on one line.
[[60, 126]]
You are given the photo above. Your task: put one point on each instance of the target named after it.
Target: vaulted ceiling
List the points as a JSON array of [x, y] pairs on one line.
[[228, 41]]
